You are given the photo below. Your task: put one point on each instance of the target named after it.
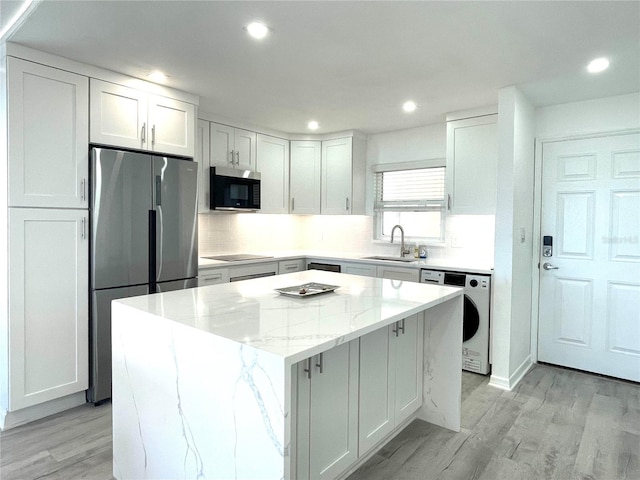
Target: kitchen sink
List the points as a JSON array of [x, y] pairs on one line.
[[390, 259]]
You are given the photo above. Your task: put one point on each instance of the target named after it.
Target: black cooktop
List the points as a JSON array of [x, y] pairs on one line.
[[237, 257]]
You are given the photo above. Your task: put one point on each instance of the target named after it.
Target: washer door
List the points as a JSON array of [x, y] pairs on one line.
[[471, 319]]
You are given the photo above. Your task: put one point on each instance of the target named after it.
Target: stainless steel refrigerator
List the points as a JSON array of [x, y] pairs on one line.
[[144, 240]]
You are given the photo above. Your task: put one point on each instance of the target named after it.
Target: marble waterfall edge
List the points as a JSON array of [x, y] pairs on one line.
[[210, 407]]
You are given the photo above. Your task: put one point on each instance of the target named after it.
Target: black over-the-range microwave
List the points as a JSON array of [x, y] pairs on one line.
[[234, 189]]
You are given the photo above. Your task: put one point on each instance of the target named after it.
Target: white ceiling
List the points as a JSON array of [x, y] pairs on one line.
[[351, 65]]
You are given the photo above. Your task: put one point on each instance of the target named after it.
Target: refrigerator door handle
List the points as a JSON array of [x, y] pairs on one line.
[[158, 190], [152, 251]]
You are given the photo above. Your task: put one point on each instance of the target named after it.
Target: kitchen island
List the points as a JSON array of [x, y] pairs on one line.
[[239, 381]]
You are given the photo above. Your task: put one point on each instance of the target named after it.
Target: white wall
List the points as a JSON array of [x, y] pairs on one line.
[[511, 322]]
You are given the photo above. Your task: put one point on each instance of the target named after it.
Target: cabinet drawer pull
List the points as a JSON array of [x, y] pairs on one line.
[[449, 202], [402, 326], [308, 369], [144, 133], [290, 267], [84, 233], [237, 158], [320, 365], [233, 156], [347, 204], [396, 328], [83, 190], [153, 136], [293, 204]]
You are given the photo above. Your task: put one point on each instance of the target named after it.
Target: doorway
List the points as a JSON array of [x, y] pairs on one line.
[[589, 255]]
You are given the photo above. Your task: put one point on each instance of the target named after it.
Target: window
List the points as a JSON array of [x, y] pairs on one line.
[[411, 197]]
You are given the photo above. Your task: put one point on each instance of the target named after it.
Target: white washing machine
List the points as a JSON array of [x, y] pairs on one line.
[[476, 321]]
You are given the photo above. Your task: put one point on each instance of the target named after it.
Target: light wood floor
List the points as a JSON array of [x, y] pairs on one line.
[[558, 424]]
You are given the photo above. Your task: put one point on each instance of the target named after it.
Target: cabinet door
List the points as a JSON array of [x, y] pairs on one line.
[[376, 399], [245, 149], [48, 305], [305, 169], [172, 126], [327, 433], [290, 266], [359, 269], [222, 143], [472, 156], [202, 157], [273, 165], [48, 136], [209, 276], [336, 176], [408, 354], [118, 115], [397, 273]]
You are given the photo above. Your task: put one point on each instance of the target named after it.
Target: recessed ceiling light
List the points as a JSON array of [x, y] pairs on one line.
[[409, 106], [313, 125], [257, 30], [598, 65], [157, 77]]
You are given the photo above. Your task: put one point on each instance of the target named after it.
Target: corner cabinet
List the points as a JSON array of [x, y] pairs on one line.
[[327, 413], [343, 167], [48, 304], [390, 388], [125, 117], [48, 136], [472, 158], [273, 161], [305, 170]]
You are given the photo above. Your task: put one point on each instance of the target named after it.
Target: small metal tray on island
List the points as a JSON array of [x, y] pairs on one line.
[[307, 289]]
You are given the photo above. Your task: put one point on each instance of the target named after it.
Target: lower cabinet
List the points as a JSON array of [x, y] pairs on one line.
[[359, 269], [48, 305], [327, 413], [390, 387], [399, 273], [290, 266]]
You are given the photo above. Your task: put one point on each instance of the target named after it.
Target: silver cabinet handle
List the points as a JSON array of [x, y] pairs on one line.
[[237, 158], [84, 222], [449, 202], [548, 266], [396, 328], [347, 204], [144, 133], [153, 136], [233, 156], [291, 267], [83, 190], [293, 204], [308, 369], [402, 326], [320, 365]]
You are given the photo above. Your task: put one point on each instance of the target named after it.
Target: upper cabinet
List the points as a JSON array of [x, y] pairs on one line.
[[232, 147], [202, 157], [48, 136], [273, 161], [305, 172], [343, 167], [126, 117], [472, 157]]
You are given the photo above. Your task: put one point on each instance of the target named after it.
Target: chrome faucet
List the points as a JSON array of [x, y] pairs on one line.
[[403, 251]]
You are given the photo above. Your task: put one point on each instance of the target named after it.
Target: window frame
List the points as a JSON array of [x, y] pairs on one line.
[[377, 213]]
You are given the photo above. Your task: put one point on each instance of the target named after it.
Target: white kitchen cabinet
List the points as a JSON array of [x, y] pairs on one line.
[[48, 304], [202, 157], [343, 182], [290, 266], [232, 147], [48, 136], [398, 273], [305, 170], [327, 413], [472, 158], [273, 165], [212, 276], [390, 387], [125, 117], [366, 270]]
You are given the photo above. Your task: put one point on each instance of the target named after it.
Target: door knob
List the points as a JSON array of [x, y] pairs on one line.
[[548, 266]]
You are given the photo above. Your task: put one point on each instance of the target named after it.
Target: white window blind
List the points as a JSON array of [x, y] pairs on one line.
[[419, 189]]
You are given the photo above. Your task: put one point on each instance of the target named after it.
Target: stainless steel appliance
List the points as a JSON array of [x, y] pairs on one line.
[[476, 309], [143, 240], [327, 267], [234, 189]]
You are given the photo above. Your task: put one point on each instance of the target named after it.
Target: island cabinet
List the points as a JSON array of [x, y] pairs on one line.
[[390, 387], [126, 117], [327, 413]]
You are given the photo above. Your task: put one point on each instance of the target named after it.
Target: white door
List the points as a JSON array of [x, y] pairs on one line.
[[589, 305], [48, 136], [172, 125], [273, 161], [118, 115], [221, 138], [305, 171], [48, 304], [245, 149], [336, 176]]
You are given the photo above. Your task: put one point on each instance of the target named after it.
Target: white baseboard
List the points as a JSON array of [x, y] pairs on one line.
[[25, 415], [514, 379]]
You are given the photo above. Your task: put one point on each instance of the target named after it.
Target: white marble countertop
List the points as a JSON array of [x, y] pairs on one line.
[[253, 314], [449, 264]]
